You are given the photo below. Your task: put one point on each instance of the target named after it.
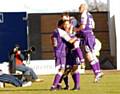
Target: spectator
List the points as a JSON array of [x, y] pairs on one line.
[[17, 60], [6, 78]]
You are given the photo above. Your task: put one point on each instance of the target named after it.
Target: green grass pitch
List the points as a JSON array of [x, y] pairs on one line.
[[109, 84]]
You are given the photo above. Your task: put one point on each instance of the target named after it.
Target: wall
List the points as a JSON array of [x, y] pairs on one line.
[[114, 22]]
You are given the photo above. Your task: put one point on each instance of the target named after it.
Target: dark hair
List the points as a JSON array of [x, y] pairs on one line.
[[60, 22]]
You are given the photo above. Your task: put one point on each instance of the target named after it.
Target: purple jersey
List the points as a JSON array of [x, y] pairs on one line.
[[59, 45], [87, 19], [87, 33]]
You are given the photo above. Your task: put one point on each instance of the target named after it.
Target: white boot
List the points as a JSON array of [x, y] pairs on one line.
[[98, 77]]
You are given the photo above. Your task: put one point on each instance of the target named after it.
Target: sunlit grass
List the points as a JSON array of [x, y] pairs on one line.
[[109, 84]]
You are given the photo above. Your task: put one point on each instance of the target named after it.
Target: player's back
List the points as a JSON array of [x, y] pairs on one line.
[[58, 44]]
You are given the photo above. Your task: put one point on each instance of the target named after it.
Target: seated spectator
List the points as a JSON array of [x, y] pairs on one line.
[[7, 78], [17, 58]]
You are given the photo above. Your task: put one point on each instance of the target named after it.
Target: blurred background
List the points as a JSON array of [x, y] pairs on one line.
[[30, 23]]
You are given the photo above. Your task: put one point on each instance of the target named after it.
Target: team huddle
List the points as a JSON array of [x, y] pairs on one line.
[[73, 41]]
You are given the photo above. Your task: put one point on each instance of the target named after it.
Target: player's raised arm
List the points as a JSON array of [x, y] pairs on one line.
[[66, 37]]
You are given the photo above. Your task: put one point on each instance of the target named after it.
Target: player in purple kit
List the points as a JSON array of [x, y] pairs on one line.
[[72, 66], [74, 63], [59, 53], [73, 23], [85, 30], [59, 38], [71, 62]]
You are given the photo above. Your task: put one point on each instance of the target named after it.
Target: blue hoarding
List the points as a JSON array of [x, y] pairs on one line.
[[13, 30]]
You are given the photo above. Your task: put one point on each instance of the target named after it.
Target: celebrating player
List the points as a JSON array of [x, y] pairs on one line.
[[87, 24], [71, 62], [60, 37]]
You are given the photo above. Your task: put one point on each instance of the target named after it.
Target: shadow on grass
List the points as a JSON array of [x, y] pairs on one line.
[[12, 90]]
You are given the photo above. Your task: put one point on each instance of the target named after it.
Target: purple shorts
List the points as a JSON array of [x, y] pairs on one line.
[[89, 39], [90, 42], [60, 62], [71, 58]]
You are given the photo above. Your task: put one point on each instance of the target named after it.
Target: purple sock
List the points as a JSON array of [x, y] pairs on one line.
[[79, 53], [98, 65], [57, 79], [94, 67], [76, 78]]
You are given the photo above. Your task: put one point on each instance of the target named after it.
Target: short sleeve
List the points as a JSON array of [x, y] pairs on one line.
[[64, 35], [84, 18]]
